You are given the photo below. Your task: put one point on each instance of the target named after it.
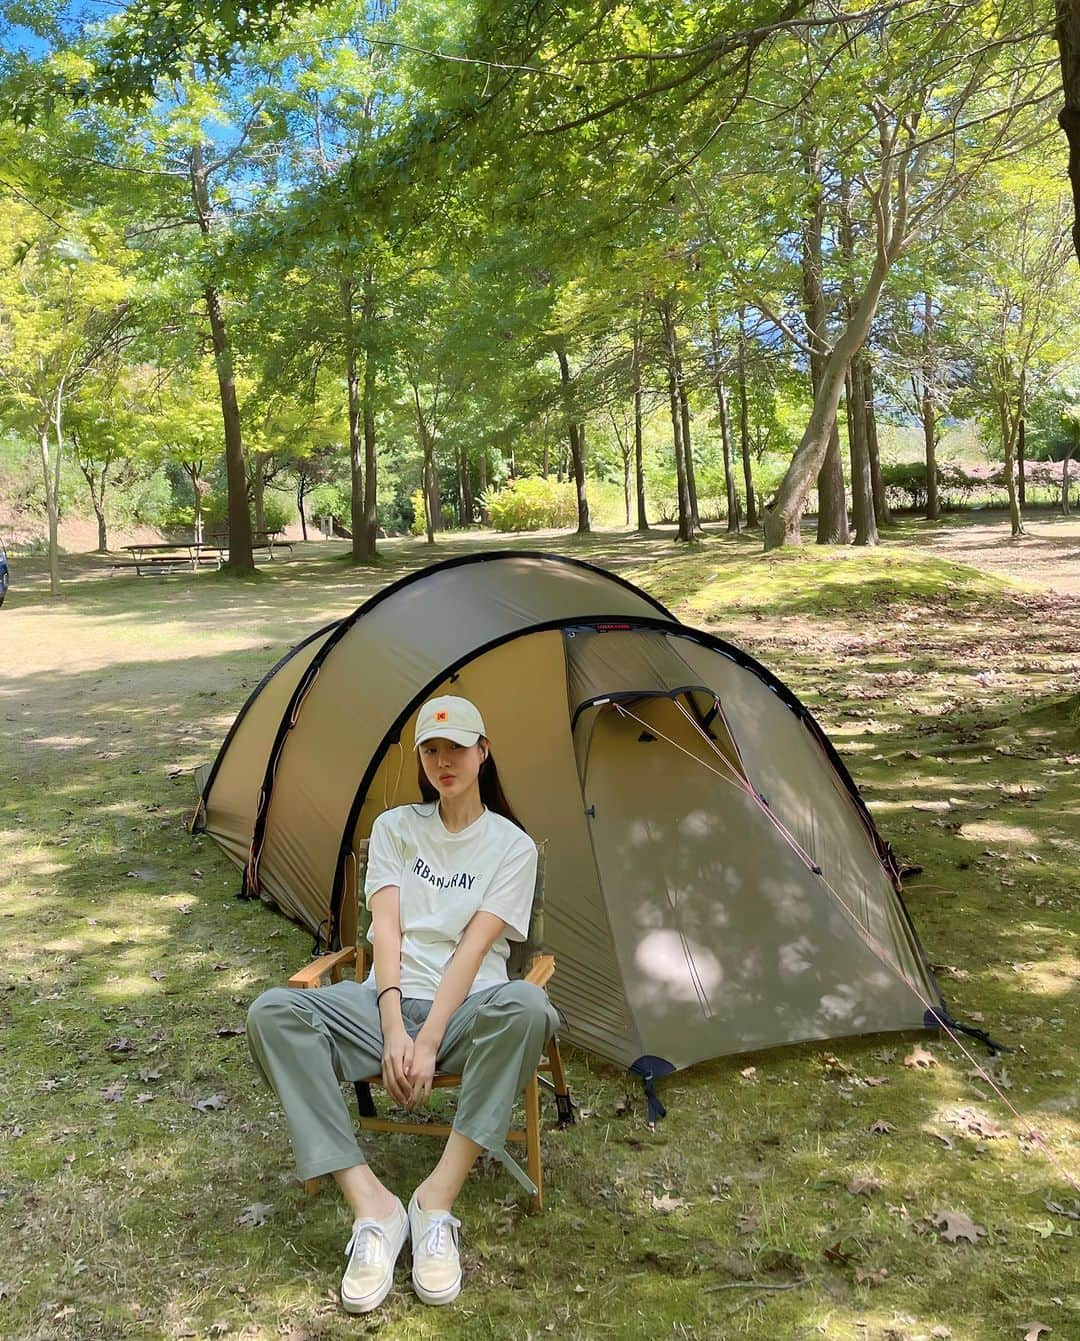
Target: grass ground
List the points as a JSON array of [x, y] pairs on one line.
[[772, 1202]]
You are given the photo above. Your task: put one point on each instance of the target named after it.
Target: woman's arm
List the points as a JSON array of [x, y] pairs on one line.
[[483, 930], [386, 938]]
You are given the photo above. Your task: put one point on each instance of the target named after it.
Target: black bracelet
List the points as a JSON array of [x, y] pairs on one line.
[[389, 989]]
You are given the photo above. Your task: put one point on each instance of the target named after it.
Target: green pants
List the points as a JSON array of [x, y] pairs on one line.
[[306, 1041]]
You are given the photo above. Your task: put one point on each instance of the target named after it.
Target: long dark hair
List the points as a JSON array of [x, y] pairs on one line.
[[491, 792]]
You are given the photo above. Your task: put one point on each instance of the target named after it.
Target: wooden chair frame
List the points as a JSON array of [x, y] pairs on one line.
[[526, 961]]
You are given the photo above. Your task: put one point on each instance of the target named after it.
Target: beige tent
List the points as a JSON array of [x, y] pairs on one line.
[[714, 882]]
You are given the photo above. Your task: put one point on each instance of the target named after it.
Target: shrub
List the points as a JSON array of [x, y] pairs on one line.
[[532, 503], [418, 525]]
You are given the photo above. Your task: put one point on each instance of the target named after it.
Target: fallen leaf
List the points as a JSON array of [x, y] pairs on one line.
[[1033, 1330], [156, 974], [881, 1127], [1072, 1211], [120, 1045], [229, 1033], [748, 1224], [871, 1275], [862, 1187], [68, 1311], [113, 1093], [874, 1081], [749, 1073], [940, 1332], [213, 1102], [254, 1215], [145, 1097], [837, 1254], [665, 1204], [920, 1058], [955, 1225], [973, 1123]]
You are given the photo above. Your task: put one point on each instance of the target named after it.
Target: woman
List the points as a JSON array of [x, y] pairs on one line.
[[449, 885]]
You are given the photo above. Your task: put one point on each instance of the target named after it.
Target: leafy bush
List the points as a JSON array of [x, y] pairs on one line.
[[532, 503], [179, 519], [277, 513], [418, 525], [327, 500]]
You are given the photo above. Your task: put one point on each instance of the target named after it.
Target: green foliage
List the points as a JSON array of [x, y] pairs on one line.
[[532, 503], [327, 500], [418, 525]]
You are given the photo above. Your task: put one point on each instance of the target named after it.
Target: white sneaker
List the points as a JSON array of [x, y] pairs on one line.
[[436, 1270], [372, 1251]]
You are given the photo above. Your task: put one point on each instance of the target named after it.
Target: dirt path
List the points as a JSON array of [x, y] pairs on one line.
[[1047, 558]]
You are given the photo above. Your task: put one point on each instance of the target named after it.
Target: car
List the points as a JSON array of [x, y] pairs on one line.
[[3, 572]]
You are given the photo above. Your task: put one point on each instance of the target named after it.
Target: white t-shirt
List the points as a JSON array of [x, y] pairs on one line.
[[443, 878]]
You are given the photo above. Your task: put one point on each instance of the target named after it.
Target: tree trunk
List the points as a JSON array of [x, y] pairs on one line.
[[832, 514], [929, 415], [465, 497], [832, 518], [97, 497], [241, 560], [733, 524], [355, 416], [1021, 446], [258, 490], [432, 496], [688, 453], [1010, 424], [877, 485], [49, 472], [301, 494], [369, 530], [545, 462], [1067, 32], [485, 517], [428, 492], [576, 434], [862, 496], [744, 425], [782, 520], [639, 465], [1065, 506], [685, 531]]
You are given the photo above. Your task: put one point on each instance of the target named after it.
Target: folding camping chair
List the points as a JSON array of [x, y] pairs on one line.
[[526, 961]]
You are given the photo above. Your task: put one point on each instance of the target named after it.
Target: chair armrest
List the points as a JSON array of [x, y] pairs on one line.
[[540, 970], [310, 974]]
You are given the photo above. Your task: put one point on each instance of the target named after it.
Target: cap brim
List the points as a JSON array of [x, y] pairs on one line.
[[448, 733]]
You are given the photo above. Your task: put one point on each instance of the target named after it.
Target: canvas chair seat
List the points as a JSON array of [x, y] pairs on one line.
[[526, 961]]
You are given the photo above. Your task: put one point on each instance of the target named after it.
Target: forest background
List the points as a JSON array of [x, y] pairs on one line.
[[431, 266]]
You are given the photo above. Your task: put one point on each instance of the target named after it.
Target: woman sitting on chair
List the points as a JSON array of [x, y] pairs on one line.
[[449, 883]]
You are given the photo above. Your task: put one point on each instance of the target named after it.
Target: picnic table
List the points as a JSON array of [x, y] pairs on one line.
[[171, 557], [267, 540]]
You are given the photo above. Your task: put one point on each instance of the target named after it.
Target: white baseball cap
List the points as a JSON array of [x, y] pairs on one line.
[[449, 718]]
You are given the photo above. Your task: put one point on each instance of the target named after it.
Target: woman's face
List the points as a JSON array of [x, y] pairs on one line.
[[451, 768]]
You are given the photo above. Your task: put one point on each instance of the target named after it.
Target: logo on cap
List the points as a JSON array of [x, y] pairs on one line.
[[442, 716]]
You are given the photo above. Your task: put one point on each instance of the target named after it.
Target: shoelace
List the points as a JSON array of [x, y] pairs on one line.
[[368, 1238], [439, 1235]]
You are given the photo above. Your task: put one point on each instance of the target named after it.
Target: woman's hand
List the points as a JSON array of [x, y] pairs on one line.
[[397, 1058], [421, 1071]]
